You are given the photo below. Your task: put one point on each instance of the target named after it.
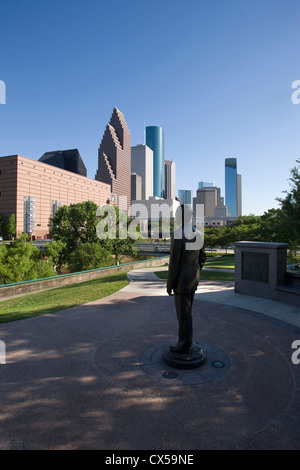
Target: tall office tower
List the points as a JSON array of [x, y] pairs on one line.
[[185, 196], [66, 160], [233, 193], [209, 198], [205, 184], [155, 139], [136, 187], [114, 160], [142, 164], [170, 190], [239, 195]]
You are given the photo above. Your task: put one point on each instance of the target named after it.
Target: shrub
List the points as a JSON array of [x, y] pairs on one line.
[[90, 256]]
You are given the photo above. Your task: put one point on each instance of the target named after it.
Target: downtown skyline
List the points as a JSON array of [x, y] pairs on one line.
[[220, 86]]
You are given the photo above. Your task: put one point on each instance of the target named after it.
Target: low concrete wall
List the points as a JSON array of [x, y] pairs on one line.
[[260, 270], [27, 287]]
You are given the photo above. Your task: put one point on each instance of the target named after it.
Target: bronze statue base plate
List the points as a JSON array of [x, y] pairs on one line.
[[195, 358]]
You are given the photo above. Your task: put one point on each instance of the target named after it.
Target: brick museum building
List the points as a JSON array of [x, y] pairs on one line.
[[34, 190]]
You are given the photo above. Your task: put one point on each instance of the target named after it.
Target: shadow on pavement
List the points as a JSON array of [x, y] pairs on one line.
[[73, 380]]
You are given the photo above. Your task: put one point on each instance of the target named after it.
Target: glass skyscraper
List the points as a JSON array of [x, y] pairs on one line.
[[156, 141], [232, 188], [205, 184], [185, 196]]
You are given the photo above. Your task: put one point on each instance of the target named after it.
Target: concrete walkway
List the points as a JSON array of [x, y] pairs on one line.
[[91, 377], [220, 292]]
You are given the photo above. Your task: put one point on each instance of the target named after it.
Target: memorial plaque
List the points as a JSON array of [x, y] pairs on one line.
[[255, 266]]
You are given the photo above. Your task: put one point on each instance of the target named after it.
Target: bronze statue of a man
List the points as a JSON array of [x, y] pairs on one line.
[[187, 257]]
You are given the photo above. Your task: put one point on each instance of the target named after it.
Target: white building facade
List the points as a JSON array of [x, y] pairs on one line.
[[142, 164], [154, 208], [170, 188]]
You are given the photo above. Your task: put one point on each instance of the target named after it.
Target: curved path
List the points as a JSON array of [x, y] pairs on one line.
[[91, 377]]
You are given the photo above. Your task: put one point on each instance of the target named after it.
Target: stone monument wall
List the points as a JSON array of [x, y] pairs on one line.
[[260, 270]]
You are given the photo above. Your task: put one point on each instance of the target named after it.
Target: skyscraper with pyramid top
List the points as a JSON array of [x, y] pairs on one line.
[[114, 160]]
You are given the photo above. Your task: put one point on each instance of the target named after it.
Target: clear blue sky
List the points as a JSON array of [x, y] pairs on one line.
[[215, 74]]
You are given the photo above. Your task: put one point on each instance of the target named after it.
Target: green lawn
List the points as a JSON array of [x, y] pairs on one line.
[[225, 261], [216, 276], [205, 275], [214, 261], [61, 298]]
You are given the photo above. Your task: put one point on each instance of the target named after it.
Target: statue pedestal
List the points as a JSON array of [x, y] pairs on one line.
[[195, 358]]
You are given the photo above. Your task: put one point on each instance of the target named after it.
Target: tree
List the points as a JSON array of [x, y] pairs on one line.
[[113, 223], [90, 256], [290, 210], [54, 251], [225, 236], [75, 224], [211, 239], [272, 226], [10, 226], [20, 261], [79, 224], [244, 228], [246, 220]]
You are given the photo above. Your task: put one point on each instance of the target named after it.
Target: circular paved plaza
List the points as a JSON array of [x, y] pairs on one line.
[[93, 377]]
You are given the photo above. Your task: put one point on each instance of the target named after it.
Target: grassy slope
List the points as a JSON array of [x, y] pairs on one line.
[[77, 294], [60, 298]]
